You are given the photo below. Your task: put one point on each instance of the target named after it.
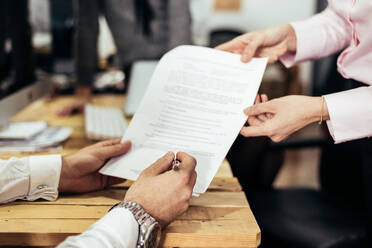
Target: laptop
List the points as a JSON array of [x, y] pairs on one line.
[[141, 74]]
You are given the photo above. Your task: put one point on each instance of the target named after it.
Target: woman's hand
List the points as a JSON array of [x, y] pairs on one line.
[[283, 116], [271, 42]]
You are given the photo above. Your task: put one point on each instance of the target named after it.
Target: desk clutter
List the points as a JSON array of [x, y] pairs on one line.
[[18, 137]]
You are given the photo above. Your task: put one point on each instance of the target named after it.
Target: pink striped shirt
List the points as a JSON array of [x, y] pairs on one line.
[[346, 25]]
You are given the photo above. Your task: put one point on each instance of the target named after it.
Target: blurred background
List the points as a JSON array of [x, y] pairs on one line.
[[50, 46]]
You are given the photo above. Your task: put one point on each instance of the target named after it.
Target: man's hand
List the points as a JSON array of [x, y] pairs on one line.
[[271, 42], [83, 96], [79, 171], [162, 192]]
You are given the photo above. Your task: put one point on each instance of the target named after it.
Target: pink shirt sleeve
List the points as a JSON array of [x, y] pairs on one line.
[[350, 114], [323, 34]]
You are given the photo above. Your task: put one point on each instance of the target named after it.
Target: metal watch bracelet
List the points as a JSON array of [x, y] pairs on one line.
[[145, 221]]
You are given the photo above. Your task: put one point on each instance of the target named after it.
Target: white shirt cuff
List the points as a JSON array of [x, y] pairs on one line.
[[44, 177], [121, 223], [118, 228]]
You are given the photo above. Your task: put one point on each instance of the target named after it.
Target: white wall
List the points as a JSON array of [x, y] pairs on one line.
[[254, 15]]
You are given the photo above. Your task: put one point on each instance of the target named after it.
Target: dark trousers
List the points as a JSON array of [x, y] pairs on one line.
[[14, 25], [121, 21], [346, 168]]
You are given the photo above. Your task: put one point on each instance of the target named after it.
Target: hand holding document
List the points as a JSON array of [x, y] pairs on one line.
[[194, 104]]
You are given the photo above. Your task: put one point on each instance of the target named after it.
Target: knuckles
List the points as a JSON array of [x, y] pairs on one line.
[[184, 178]]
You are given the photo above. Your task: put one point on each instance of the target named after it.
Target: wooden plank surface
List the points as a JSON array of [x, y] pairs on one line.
[[219, 218]]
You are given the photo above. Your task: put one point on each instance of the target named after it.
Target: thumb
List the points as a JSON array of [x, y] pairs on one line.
[[257, 109], [108, 151], [251, 49], [161, 165]]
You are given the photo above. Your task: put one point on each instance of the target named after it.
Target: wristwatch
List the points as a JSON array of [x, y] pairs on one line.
[[149, 229]]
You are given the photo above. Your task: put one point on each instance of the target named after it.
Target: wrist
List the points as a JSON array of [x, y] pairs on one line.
[[291, 38], [62, 187], [319, 110], [150, 230]]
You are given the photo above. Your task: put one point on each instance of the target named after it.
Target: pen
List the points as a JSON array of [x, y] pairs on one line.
[[175, 163]]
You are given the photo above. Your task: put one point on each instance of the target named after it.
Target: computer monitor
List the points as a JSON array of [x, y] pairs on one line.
[[141, 74]]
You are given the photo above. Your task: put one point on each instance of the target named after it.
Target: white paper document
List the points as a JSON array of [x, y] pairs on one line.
[[47, 140], [22, 130], [194, 103]]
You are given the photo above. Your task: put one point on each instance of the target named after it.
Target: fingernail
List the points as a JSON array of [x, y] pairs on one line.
[[244, 58], [246, 111], [170, 154], [127, 142]]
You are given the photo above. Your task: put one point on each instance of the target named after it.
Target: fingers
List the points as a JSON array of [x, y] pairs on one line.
[[114, 180], [161, 165], [109, 142], [265, 98], [254, 121], [115, 149], [262, 117], [188, 163], [251, 48], [193, 179], [69, 110], [64, 111], [253, 131], [227, 46], [261, 108]]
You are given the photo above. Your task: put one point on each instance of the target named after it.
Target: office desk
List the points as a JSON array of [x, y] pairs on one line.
[[219, 218]]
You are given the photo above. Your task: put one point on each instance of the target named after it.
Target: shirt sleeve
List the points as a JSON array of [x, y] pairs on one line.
[[30, 178], [350, 114], [118, 228], [320, 36]]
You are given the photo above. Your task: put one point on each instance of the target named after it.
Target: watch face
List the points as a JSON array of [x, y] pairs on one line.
[[153, 239]]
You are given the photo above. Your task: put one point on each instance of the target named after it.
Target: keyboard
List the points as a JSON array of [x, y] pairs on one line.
[[103, 123]]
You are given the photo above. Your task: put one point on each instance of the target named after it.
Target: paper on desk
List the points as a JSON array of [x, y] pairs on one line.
[[22, 130], [48, 140], [194, 103]]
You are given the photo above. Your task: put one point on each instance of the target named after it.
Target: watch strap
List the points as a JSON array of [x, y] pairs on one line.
[[143, 219]]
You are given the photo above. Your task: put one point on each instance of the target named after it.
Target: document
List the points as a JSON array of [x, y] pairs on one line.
[[22, 130], [194, 103], [48, 140]]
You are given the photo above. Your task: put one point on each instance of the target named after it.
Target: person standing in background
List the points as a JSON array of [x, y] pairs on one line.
[[15, 26], [142, 29]]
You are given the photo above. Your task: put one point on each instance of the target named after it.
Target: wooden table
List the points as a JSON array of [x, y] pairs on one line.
[[219, 218]]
